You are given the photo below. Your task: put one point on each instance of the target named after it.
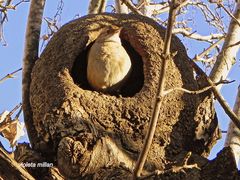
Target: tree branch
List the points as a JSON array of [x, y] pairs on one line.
[[233, 135], [144, 6], [221, 69], [205, 52], [226, 58], [193, 35], [174, 6], [131, 6], [121, 7], [10, 75], [197, 91], [30, 56], [12, 169], [4, 8], [217, 94], [97, 6], [163, 7], [229, 13]]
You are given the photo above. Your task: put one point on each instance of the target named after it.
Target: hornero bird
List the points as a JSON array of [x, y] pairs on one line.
[[109, 64]]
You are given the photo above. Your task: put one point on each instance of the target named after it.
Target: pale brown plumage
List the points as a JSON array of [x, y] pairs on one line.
[[109, 65]]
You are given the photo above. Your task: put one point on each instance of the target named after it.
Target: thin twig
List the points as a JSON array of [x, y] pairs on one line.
[[131, 6], [19, 112], [174, 168], [8, 6], [22, 1], [196, 58], [229, 13], [160, 8], [226, 58], [211, 18], [10, 75], [197, 91], [14, 109], [193, 35], [217, 94], [160, 92]]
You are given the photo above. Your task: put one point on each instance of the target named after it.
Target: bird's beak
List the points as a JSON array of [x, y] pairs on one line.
[[119, 30]]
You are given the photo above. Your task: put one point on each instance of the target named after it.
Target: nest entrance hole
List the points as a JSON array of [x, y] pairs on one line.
[[132, 86]]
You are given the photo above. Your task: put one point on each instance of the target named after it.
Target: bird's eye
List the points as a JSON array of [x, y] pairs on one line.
[[108, 31]]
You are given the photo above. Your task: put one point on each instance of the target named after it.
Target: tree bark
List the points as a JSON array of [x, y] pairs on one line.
[[145, 7], [227, 56], [30, 56], [97, 6], [225, 60], [121, 7], [233, 135], [12, 170]]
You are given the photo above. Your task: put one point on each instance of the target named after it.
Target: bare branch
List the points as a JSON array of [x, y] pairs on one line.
[[226, 58], [193, 35], [233, 135], [174, 168], [205, 52], [97, 6], [163, 7], [121, 7], [131, 6], [197, 91], [52, 28], [174, 6], [30, 56], [211, 17], [229, 13], [217, 94], [7, 6], [12, 168], [20, 2], [11, 75], [204, 56], [159, 8], [15, 108], [144, 6], [3, 15], [221, 69]]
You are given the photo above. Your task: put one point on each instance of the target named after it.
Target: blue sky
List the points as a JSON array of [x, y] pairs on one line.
[[11, 57]]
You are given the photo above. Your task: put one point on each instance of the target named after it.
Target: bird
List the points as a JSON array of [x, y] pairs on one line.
[[108, 63]]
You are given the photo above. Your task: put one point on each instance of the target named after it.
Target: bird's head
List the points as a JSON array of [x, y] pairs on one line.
[[110, 34]]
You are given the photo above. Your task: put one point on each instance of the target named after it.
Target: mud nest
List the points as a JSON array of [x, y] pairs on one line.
[[64, 105]]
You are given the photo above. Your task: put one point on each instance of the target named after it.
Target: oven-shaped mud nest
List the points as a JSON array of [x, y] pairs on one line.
[[66, 109]]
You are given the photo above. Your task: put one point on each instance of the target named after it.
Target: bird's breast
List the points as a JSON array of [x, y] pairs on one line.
[[108, 65]]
